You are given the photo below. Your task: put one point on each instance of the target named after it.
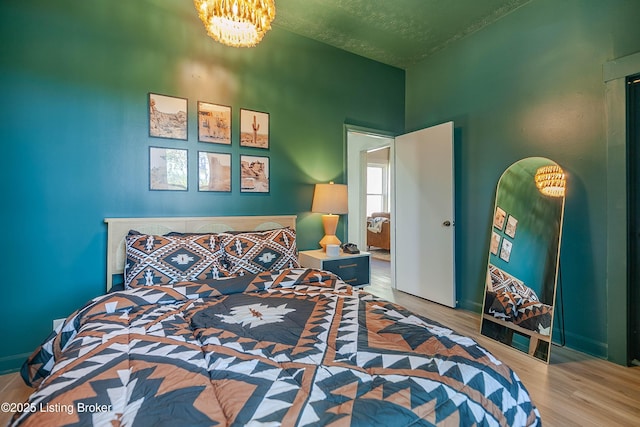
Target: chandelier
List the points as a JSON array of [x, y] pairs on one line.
[[236, 23], [551, 181]]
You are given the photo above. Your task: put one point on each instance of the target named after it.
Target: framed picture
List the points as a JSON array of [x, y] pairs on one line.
[[168, 169], [505, 250], [254, 174], [495, 242], [512, 224], [214, 123], [167, 116], [254, 129], [214, 171], [498, 218]]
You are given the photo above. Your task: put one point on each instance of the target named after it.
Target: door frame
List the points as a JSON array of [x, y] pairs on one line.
[[633, 153], [356, 168], [615, 75]]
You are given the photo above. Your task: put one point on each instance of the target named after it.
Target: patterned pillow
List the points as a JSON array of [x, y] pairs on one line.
[[524, 291], [503, 282], [259, 251], [154, 260]]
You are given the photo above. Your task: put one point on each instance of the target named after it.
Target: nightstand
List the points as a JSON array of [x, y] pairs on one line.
[[354, 269]]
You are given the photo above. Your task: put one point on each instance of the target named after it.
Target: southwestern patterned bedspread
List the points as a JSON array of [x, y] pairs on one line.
[[294, 347]]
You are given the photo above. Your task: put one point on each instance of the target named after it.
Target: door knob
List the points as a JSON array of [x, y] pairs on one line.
[[447, 223]]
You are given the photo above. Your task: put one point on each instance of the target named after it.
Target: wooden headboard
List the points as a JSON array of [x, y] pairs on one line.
[[118, 228]]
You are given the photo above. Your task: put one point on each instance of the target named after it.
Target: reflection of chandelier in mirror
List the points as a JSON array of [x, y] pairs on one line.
[[236, 23], [551, 181]]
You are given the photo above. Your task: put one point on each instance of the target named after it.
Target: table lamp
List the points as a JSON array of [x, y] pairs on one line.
[[330, 200]]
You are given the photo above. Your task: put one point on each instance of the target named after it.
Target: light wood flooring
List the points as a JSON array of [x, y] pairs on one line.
[[12, 390], [573, 390]]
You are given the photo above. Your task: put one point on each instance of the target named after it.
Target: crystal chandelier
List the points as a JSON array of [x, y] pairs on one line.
[[551, 181], [236, 23]]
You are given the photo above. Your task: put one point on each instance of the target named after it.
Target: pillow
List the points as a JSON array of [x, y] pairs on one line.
[[503, 282], [156, 260], [259, 251], [524, 291]]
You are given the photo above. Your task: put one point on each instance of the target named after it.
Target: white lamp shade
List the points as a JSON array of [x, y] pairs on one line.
[[330, 199]]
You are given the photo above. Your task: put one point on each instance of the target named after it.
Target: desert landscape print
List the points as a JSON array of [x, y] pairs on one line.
[[168, 169], [214, 123], [214, 171], [167, 116], [254, 174]]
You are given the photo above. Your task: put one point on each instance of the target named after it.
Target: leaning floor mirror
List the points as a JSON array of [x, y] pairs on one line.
[[524, 254]]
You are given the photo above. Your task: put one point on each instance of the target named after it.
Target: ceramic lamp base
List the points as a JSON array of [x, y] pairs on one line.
[[330, 224]]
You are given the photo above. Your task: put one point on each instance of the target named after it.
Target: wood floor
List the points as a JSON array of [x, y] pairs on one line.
[[573, 390], [12, 390]]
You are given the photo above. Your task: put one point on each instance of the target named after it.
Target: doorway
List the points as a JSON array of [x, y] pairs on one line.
[[359, 144], [633, 114], [421, 167], [378, 206], [618, 159]]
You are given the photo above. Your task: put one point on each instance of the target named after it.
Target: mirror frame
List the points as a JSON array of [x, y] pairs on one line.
[[496, 313]]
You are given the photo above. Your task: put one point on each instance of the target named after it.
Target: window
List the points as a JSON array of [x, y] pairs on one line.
[[377, 188]]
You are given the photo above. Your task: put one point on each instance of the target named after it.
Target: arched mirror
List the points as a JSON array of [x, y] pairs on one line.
[[524, 256]]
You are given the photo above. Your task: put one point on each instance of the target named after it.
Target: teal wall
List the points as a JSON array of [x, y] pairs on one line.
[[74, 79], [531, 84]]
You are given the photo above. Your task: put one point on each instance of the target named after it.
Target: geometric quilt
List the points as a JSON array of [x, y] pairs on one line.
[[503, 282], [291, 347]]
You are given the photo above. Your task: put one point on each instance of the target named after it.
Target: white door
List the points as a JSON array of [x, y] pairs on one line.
[[424, 214]]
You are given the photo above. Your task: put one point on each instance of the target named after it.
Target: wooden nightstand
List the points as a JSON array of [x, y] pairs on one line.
[[354, 269]]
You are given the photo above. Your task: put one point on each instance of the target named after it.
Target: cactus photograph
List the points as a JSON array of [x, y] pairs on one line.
[[254, 129]]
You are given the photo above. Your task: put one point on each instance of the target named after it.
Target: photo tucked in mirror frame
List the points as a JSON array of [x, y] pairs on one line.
[[524, 254]]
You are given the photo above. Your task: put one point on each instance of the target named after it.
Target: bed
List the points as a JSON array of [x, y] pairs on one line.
[[514, 306], [264, 342]]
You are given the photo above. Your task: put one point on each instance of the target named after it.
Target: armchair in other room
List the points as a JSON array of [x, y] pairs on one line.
[[379, 230]]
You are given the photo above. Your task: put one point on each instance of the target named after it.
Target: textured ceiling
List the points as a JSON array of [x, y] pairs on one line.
[[394, 32]]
